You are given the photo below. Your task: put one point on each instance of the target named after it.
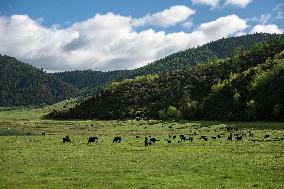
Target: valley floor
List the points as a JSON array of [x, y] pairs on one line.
[[38, 161]]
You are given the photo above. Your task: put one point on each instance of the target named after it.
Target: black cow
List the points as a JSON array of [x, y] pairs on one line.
[[174, 136], [92, 139], [266, 136], [230, 138], [43, 134], [66, 139], [190, 139], [146, 142], [153, 140], [182, 137], [116, 140], [219, 136], [239, 138], [205, 138]]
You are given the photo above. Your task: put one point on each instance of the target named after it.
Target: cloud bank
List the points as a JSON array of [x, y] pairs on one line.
[[165, 18], [270, 28], [110, 41]]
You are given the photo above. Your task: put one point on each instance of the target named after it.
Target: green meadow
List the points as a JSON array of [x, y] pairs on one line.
[[38, 161]]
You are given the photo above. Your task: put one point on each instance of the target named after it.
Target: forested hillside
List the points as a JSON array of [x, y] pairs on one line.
[[222, 48], [248, 86], [22, 84], [90, 82]]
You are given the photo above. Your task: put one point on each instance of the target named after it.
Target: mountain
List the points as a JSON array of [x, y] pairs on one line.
[[25, 85], [248, 86], [219, 49], [22, 85], [90, 82]]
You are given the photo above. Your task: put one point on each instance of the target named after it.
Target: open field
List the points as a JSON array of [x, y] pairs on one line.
[[38, 161]]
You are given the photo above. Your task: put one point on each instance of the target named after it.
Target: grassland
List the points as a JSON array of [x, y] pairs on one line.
[[38, 161]]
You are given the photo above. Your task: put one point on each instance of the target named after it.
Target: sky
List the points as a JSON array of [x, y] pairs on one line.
[[66, 35]]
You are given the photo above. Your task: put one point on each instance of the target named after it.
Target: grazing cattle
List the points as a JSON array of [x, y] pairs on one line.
[[116, 140], [92, 125], [169, 141], [230, 138], [194, 133], [93, 139], [182, 137], [190, 139], [266, 136], [219, 136], [174, 136], [28, 134], [66, 139], [137, 137], [146, 142], [43, 134], [153, 140], [229, 129], [251, 135], [213, 137], [205, 138], [239, 138], [170, 127], [170, 136]]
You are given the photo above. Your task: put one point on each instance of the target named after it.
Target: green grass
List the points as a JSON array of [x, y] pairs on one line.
[[45, 162]]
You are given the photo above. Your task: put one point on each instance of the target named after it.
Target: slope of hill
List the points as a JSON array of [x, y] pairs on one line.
[[248, 86], [22, 84], [222, 48], [90, 82]]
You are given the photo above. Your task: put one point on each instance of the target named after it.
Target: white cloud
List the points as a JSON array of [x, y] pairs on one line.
[[271, 28], [211, 3], [262, 19], [104, 42], [239, 3], [165, 18], [223, 26], [187, 24]]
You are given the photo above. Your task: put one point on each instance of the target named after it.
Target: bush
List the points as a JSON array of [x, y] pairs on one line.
[[191, 109], [170, 113]]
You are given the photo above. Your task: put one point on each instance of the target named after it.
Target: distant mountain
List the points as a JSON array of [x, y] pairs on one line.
[[22, 84], [90, 82], [248, 86]]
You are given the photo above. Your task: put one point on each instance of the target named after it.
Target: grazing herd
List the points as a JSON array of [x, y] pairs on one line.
[[148, 141], [227, 133]]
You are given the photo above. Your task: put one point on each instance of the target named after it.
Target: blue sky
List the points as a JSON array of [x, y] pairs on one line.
[[60, 35]]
